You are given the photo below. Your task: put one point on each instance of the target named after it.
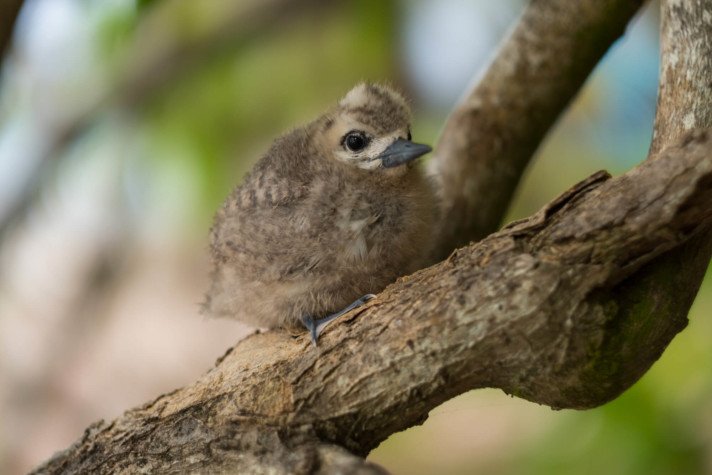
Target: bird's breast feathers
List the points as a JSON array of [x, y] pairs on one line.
[[355, 233]]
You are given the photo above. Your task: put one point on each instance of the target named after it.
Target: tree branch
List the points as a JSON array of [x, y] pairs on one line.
[[658, 298], [492, 134], [685, 91]]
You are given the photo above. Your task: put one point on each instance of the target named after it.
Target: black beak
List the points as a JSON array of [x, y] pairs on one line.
[[402, 151]]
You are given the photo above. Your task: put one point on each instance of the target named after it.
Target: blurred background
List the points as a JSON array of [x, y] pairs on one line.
[[123, 125]]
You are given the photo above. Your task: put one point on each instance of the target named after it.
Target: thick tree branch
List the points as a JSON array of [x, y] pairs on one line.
[[660, 295], [492, 134], [528, 310]]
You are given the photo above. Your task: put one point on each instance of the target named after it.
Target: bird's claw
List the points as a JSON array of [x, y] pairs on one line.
[[316, 325]]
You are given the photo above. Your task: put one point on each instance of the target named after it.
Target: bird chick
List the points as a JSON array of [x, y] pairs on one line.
[[334, 211]]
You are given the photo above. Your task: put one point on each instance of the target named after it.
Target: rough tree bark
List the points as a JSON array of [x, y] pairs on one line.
[[567, 308]]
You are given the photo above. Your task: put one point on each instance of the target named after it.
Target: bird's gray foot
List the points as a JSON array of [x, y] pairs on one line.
[[316, 325]]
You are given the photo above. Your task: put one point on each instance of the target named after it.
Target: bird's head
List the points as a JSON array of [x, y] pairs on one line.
[[370, 129]]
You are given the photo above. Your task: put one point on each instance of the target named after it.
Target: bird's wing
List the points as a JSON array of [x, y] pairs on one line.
[[264, 228], [266, 189]]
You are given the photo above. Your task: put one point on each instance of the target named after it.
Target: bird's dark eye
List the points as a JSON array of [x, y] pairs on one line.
[[410, 137], [355, 141]]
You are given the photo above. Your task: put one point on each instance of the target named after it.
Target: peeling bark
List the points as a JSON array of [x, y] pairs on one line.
[[566, 308]]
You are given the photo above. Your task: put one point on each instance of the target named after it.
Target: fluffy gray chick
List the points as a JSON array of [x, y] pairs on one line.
[[335, 210]]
